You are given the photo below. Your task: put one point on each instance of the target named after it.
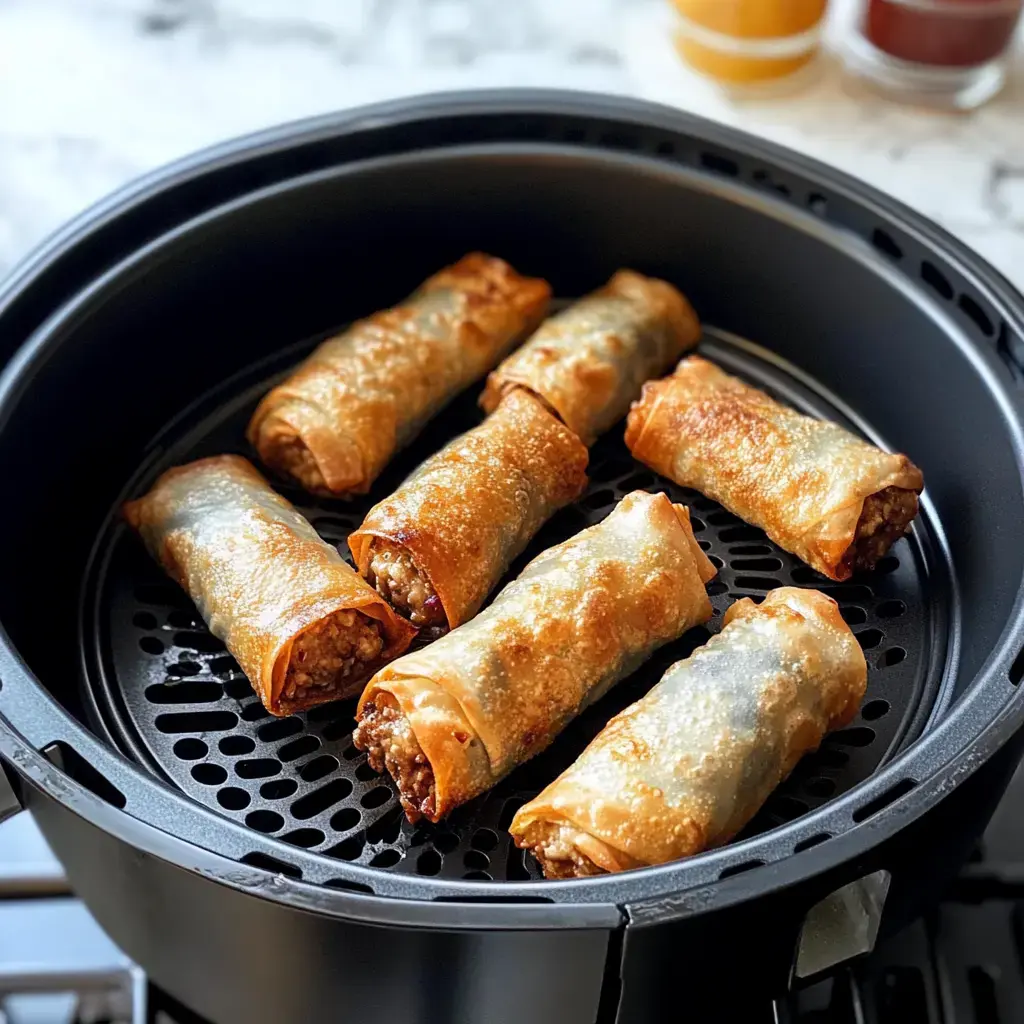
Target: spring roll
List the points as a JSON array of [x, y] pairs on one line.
[[687, 766], [824, 495], [449, 721], [302, 624], [334, 424], [590, 361], [440, 543]]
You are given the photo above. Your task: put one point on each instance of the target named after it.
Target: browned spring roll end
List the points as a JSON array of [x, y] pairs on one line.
[[391, 745], [885, 518], [396, 577]]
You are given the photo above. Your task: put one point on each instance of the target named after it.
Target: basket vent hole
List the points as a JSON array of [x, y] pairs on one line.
[[869, 639], [348, 849], [224, 666], [179, 619], [485, 839], [756, 583], [723, 518], [892, 794], [306, 838], [815, 840], [429, 863], [805, 574], [599, 499], [934, 278], [891, 609], [447, 841], [174, 692], [279, 729], [197, 721], [265, 821], [891, 657], [738, 869], [977, 314], [757, 564], [268, 863], [515, 866], [65, 757], [720, 164], [859, 736], [477, 876], [750, 549], [716, 587], [254, 712], [741, 534], [151, 645], [190, 749], [238, 689], [319, 768], [376, 797], [183, 669], [209, 774], [476, 860], [278, 789], [235, 745], [365, 773], [820, 786], [344, 883], [853, 614], [817, 204], [345, 819], [385, 829], [351, 752], [716, 561], [202, 643], [886, 565], [336, 730], [232, 798], [320, 799], [1017, 668], [665, 148], [298, 748], [611, 469], [704, 545], [875, 709], [386, 859], [144, 620], [982, 983], [638, 481], [885, 243], [257, 768]]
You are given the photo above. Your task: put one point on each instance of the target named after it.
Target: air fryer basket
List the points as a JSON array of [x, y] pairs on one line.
[[156, 324]]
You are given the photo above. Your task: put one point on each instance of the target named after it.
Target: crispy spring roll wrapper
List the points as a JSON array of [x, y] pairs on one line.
[[440, 543], [334, 424], [590, 361], [818, 491], [302, 624], [449, 721], [687, 766]]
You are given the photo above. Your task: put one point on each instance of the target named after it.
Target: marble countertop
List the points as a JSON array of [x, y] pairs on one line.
[[96, 92]]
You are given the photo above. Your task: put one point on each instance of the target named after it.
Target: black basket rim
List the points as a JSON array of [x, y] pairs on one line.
[[986, 722]]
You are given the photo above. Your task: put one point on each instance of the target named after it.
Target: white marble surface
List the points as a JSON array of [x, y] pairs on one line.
[[95, 92]]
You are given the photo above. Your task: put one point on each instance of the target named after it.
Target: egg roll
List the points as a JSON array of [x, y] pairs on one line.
[[336, 422], [302, 624], [589, 361], [438, 545], [819, 492], [688, 765], [447, 722]]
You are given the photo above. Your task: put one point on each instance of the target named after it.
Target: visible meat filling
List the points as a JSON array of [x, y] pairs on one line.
[[396, 578], [885, 518], [551, 843], [288, 454], [333, 656], [390, 744]]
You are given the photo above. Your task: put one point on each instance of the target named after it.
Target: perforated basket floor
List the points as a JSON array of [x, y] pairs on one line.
[[171, 697]]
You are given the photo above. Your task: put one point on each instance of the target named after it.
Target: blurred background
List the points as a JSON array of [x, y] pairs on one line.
[[96, 92]]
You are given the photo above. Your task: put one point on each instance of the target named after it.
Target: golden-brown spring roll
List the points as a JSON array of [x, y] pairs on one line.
[[687, 766], [440, 543], [302, 624], [828, 497], [590, 361], [449, 721], [334, 424]]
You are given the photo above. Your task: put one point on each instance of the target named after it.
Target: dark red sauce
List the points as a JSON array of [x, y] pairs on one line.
[[942, 33]]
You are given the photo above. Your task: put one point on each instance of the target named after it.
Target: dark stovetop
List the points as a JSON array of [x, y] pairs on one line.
[[961, 964]]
